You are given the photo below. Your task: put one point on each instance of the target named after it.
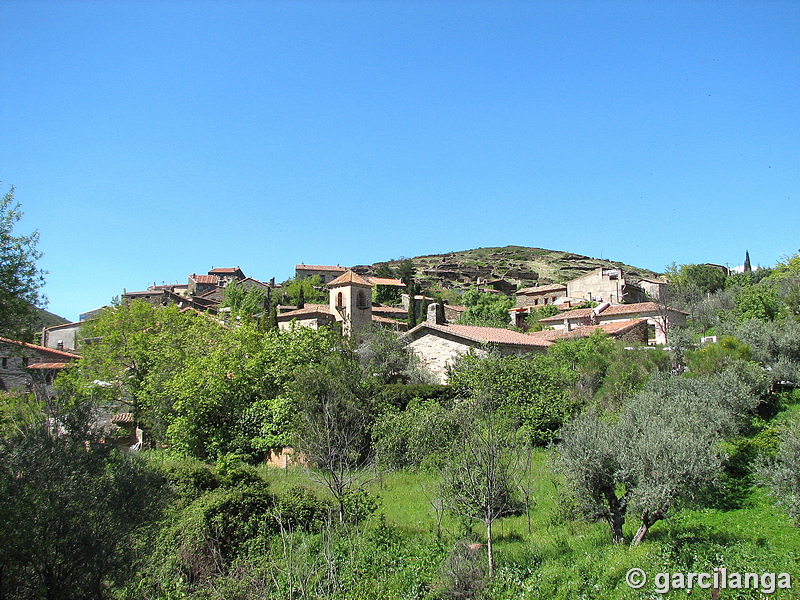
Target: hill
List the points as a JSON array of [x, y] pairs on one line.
[[524, 266]]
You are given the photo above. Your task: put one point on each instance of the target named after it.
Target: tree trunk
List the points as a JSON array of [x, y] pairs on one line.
[[648, 518], [489, 548], [616, 515]]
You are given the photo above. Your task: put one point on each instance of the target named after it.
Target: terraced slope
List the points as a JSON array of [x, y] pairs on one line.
[[521, 265]]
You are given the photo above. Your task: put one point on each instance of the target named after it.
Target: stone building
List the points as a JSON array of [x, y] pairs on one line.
[[438, 344], [659, 318], [326, 273], [540, 295], [350, 302], [23, 364], [615, 286]]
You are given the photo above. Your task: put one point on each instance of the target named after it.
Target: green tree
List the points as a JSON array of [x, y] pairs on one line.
[[384, 358], [486, 309], [533, 392], [136, 352], [242, 301], [21, 280], [74, 511], [781, 474], [333, 424], [306, 289], [406, 271], [478, 478], [757, 302], [664, 446]]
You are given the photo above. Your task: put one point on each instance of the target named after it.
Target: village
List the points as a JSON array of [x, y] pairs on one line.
[[604, 299]]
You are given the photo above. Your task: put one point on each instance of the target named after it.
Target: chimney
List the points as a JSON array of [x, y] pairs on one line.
[[435, 314]]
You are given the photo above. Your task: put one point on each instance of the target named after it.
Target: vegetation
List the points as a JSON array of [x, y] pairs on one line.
[[514, 481], [21, 280]]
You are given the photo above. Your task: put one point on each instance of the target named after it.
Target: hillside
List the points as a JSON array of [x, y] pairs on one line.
[[524, 266]]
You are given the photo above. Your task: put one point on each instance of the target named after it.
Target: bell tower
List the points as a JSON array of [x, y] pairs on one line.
[[350, 301]]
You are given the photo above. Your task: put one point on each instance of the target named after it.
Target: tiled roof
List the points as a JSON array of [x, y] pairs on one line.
[[385, 281], [122, 419], [486, 335], [337, 268], [50, 365], [308, 309], [612, 329], [542, 289], [616, 309], [204, 279], [386, 320], [456, 308], [41, 348], [390, 310], [349, 277], [224, 270]]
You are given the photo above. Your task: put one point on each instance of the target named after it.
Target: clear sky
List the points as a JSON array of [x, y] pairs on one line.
[[151, 140]]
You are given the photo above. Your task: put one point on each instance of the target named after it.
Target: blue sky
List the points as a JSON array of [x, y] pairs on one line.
[[151, 140]]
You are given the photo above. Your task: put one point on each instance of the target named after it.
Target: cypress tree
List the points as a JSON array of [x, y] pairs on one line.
[[747, 267]]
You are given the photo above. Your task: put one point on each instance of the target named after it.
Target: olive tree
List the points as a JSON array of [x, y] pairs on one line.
[[662, 447]]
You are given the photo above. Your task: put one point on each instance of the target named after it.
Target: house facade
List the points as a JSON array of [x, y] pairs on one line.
[[659, 318]]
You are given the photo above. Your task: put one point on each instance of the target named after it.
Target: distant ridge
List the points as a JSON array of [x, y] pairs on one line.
[[523, 265]]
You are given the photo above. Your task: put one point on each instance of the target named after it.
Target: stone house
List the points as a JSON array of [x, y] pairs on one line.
[[613, 285], [200, 284], [326, 273], [227, 274], [540, 295], [438, 344], [659, 318], [23, 364], [61, 337]]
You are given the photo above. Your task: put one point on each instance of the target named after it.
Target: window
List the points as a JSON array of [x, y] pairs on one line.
[[340, 300], [362, 302]]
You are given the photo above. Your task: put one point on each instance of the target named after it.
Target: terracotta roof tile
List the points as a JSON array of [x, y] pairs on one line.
[[616, 309], [205, 279], [308, 309], [542, 289], [50, 365], [611, 329], [486, 335], [385, 281], [41, 348], [224, 270], [349, 277], [337, 268]]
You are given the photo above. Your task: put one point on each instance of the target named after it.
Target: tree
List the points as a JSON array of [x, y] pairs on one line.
[[406, 271], [781, 474], [137, 351], [20, 279], [332, 425], [242, 301], [385, 359], [486, 309], [664, 446], [478, 478], [386, 294], [72, 507], [305, 289], [412, 304]]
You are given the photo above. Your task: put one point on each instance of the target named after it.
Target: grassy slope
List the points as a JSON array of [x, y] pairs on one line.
[[560, 558]]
